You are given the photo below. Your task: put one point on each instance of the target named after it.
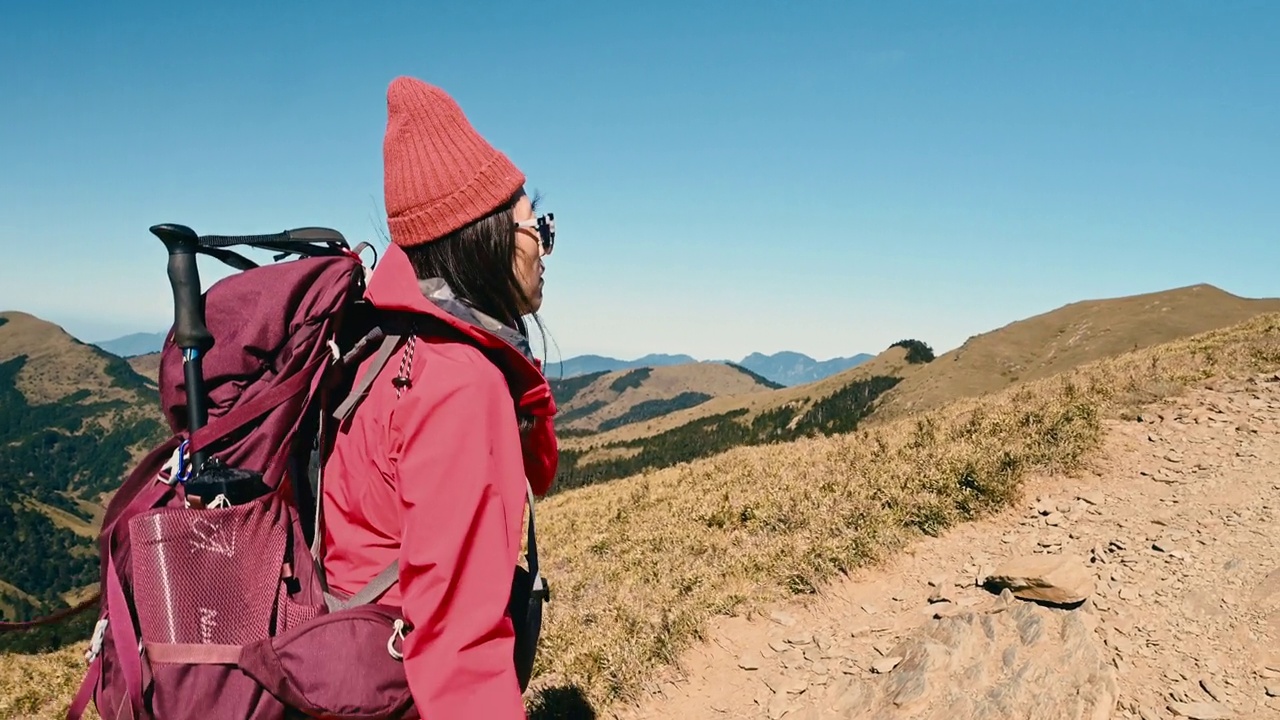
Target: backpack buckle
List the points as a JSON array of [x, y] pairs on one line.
[[95, 643]]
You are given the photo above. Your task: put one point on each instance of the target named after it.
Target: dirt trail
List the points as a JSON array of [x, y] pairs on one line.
[[1178, 548]]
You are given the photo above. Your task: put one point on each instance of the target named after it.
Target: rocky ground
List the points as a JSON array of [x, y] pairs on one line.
[[1147, 589]]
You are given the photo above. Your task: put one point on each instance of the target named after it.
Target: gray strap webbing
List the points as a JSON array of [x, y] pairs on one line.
[[383, 581], [362, 387]]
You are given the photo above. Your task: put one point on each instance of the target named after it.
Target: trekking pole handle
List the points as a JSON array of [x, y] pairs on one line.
[[189, 330]]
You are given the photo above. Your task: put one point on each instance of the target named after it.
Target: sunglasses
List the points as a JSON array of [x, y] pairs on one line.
[[546, 227]]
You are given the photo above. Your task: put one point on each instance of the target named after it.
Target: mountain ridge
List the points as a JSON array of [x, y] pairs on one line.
[[73, 419], [786, 367]]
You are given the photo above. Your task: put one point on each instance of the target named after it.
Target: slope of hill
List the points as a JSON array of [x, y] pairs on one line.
[[603, 401], [72, 418], [134, 344], [1023, 350], [793, 368], [746, 408], [1171, 627], [731, 534], [891, 384], [834, 405], [1067, 337], [148, 366]]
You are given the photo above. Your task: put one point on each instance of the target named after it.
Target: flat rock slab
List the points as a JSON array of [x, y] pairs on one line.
[[1058, 579], [1200, 711], [1017, 660]]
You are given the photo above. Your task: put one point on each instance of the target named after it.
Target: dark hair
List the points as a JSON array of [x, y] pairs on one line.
[[478, 263]]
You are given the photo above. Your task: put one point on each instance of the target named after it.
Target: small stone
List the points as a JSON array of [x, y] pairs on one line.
[[782, 618], [746, 662], [799, 638], [793, 686], [779, 705], [1212, 689], [1161, 546], [1054, 519], [884, 665], [1272, 689], [1093, 497]]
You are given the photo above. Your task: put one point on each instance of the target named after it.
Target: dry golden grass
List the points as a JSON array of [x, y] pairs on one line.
[[710, 378], [148, 366], [1029, 349], [11, 591], [41, 686], [57, 365], [63, 519], [1070, 336], [639, 565]]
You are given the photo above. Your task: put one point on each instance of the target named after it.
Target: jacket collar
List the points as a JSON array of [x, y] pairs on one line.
[[395, 287]]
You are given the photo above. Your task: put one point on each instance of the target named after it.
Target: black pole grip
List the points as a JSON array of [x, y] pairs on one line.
[[189, 331]]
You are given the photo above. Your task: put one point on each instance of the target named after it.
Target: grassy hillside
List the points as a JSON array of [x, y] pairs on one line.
[[604, 401], [72, 420], [148, 366], [745, 408], [1029, 349], [1067, 337], [641, 564]]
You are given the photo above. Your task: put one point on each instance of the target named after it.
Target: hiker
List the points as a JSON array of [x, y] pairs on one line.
[[431, 468]]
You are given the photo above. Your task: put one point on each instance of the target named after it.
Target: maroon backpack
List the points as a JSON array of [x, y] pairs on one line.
[[214, 602]]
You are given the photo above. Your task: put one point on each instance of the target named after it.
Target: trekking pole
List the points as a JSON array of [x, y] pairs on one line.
[[215, 482], [189, 330]]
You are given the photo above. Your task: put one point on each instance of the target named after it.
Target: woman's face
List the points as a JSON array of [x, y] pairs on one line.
[[528, 256]]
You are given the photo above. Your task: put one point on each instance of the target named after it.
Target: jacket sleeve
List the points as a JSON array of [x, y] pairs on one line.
[[460, 483]]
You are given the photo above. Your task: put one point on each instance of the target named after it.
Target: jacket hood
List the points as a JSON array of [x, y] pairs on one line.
[[395, 287]]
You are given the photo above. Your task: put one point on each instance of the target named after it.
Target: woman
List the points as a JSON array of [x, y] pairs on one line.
[[431, 468]]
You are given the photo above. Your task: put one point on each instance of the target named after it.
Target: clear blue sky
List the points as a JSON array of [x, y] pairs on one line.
[[826, 177]]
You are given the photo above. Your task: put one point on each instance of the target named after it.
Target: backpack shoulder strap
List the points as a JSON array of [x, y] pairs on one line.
[[341, 413], [361, 388]]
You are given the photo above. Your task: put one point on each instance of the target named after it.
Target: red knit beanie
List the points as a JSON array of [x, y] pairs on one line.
[[439, 174]]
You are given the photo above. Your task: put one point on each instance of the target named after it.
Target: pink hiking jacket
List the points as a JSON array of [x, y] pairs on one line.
[[436, 480]]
